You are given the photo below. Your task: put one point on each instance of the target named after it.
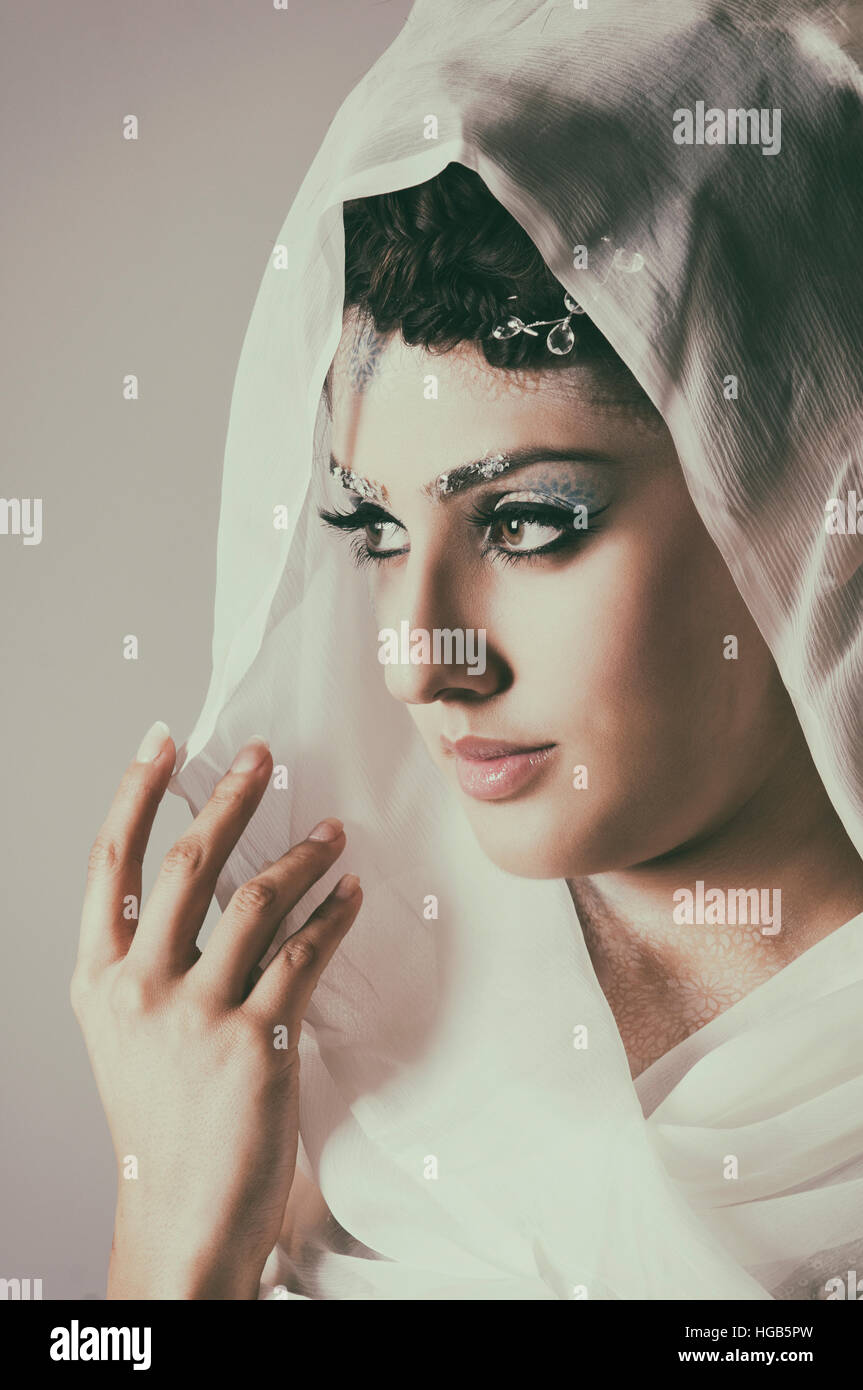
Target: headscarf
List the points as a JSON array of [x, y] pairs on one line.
[[451, 1039]]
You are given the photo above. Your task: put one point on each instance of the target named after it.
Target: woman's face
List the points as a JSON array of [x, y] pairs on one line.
[[604, 603]]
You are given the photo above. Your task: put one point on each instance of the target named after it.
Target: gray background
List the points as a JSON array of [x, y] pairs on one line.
[[120, 257]]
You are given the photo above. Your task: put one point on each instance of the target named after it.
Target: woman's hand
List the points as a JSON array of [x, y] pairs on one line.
[[195, 1053]]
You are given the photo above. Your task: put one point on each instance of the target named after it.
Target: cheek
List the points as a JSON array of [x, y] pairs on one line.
[[624, 647], [598, 637]]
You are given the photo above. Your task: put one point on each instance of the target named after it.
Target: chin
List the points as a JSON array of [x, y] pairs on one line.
[[527, 844], [537, 837]]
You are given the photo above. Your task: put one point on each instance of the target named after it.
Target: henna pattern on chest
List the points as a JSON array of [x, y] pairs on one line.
[[658, 1000]]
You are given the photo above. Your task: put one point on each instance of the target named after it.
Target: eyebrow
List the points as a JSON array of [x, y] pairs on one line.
[[364, 487], [474, 473]]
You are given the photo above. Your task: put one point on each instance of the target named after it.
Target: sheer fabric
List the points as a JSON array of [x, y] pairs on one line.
[[462, 1142]]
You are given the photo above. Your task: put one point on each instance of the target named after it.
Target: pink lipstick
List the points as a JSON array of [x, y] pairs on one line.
[[492, 769]]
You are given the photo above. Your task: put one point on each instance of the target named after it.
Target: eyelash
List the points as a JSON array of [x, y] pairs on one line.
[[482, 516]]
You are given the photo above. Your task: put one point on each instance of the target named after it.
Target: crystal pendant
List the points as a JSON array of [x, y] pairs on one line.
[[508, 328], [571, 305], [560, 339]]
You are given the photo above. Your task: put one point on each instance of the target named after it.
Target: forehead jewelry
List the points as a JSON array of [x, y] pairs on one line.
[[559, 340]]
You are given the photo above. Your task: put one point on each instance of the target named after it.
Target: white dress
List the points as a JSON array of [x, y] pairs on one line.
[[797, 1039]]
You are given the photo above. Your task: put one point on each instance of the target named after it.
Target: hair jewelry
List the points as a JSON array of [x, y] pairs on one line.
[[560, 338]]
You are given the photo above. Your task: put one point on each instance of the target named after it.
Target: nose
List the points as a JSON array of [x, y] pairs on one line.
[[435, 645]]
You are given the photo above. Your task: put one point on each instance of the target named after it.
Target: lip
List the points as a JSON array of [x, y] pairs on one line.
[[492, 769]]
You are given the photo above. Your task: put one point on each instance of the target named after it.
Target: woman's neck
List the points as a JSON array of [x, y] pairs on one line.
[[676, 941]]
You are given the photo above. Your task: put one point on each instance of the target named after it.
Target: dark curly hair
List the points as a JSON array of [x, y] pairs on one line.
[[438, 261]]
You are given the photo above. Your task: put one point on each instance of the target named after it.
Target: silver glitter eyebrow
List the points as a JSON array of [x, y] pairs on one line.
[[467, 475], [364, 487], [482, 470]]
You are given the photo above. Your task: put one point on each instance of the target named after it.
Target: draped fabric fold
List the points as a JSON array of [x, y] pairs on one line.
[[464, 1146]]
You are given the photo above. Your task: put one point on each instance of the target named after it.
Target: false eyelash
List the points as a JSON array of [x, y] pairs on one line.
[[361, 555], [485, 514], [542, 513], [482, 516], [356, 520]]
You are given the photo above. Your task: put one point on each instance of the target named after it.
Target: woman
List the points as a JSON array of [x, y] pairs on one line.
[[594, 1033]]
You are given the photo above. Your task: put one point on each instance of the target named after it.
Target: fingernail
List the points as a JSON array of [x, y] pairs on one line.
[[153, 742], [329, 829], [347, 886], [251, 755]]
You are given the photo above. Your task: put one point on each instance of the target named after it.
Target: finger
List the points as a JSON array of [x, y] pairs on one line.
[[286, 986], [251, 918], [174, 912], [113, 894]]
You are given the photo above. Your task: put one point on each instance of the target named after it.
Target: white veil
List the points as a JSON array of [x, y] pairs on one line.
[[463, 1142]]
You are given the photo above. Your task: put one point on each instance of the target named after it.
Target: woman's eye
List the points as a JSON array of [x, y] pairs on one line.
[[513, 533], [525, 528], [383, 537], [373, 534]]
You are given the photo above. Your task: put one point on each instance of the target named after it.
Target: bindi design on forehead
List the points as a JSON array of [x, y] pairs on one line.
[[367, 361], [367, 348]]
